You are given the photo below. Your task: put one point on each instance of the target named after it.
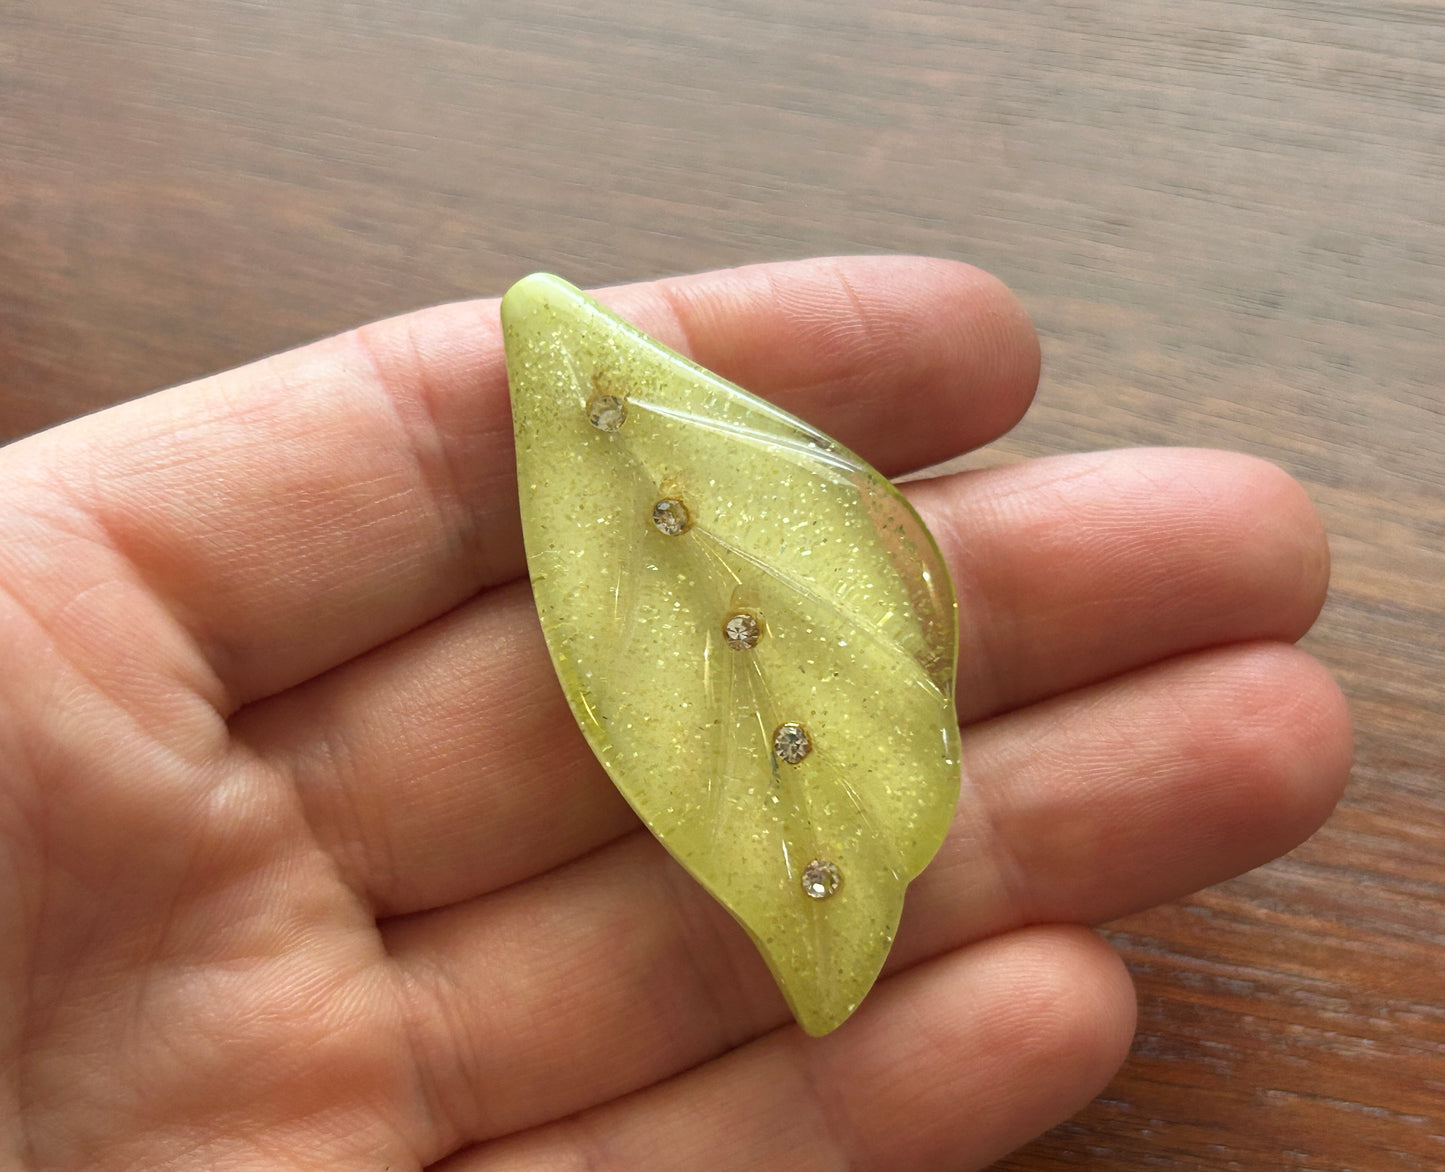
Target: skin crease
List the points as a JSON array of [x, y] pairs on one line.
[[303, 864]]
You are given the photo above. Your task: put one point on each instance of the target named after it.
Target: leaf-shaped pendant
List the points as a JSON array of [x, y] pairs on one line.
[[754, 629]]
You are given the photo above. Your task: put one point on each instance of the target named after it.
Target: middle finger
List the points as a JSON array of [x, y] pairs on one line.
[[447, 763]]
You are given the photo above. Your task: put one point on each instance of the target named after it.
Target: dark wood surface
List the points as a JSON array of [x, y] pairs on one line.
[[1227, 218]]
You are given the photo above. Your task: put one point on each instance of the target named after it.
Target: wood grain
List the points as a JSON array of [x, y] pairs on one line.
[[1226, 218]]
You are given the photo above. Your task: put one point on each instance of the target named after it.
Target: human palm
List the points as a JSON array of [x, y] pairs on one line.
[[306, 866]]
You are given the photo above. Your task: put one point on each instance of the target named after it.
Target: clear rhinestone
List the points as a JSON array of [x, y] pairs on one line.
[[821, 879], [742, 631], [791, 743], [671, 516], [606, 412]]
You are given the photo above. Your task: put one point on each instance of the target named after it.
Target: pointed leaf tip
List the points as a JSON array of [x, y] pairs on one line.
[[534, 292]]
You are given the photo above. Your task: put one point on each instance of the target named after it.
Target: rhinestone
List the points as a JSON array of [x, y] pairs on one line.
[[821, 879], [606, 412], [791, 743], [742, 631], [671, 517]]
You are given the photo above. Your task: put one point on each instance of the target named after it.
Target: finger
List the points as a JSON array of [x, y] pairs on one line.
[[1084, 808], [1137, 791], [1070, 570], [297, 512], [952, 1065]]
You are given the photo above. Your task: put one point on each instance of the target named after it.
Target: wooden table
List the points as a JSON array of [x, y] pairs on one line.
[[1227, 218]]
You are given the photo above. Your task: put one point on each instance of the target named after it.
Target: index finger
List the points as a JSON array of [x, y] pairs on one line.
[[297, 512]]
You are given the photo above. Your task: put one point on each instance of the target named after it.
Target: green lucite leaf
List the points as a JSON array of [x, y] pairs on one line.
[[709, 569]]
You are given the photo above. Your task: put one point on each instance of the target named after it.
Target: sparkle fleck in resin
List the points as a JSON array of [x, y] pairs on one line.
[[671, 520]]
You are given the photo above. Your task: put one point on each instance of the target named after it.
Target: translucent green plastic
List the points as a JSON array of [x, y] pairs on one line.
[[851, 617]]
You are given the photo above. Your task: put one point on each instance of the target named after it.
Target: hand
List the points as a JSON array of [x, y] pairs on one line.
[[306, 866]]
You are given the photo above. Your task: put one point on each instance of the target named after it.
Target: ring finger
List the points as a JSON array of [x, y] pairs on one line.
[[1080, 808]]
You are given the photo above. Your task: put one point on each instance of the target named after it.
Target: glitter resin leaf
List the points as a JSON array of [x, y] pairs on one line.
[[754, 630]]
